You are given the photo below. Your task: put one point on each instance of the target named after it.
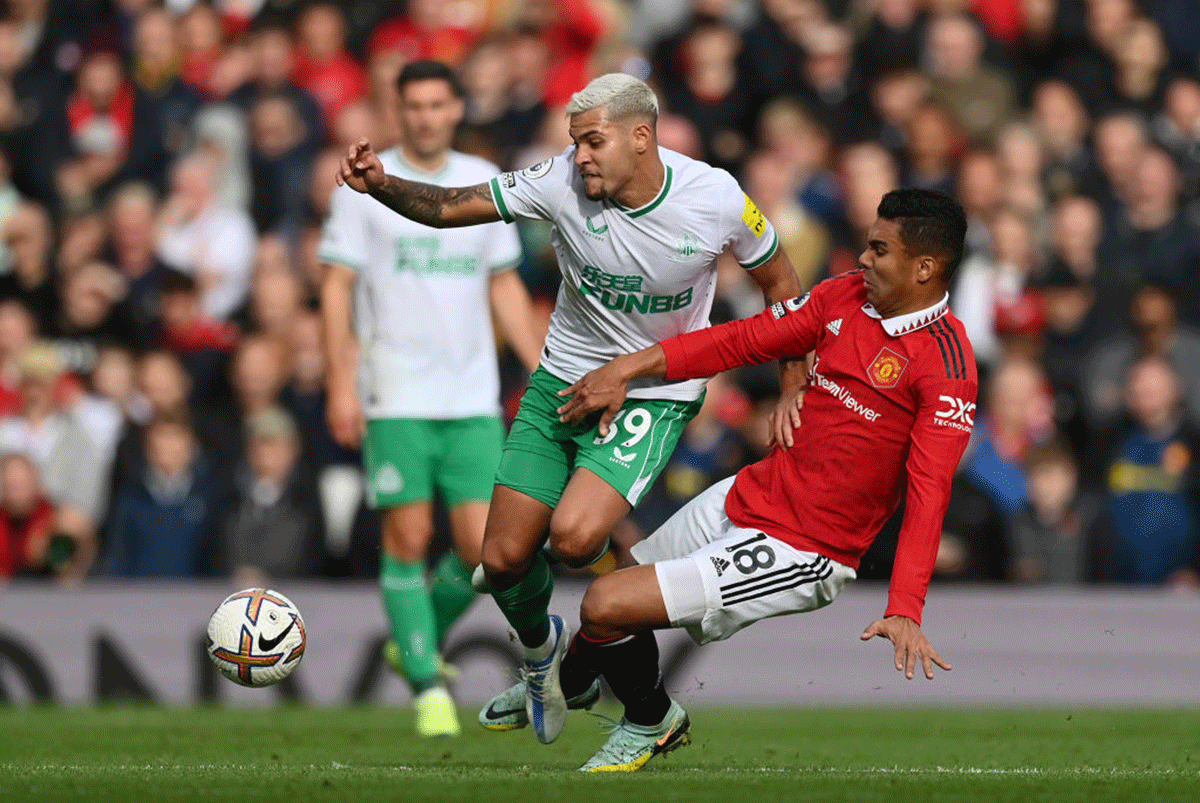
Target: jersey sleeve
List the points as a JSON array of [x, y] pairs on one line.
[[945, 415], [504, 248], [344, 235], [785, 329], [745, 230], [535, 192]]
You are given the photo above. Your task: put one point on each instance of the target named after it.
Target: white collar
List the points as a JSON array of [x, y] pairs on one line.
[[910, 321]]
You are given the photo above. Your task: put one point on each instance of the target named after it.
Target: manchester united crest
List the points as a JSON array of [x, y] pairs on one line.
[[886, 370]]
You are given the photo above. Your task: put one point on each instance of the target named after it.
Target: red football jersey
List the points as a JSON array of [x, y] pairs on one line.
[[888, 400]]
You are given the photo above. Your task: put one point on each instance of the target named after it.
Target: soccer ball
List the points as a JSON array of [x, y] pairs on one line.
[[256, 637]]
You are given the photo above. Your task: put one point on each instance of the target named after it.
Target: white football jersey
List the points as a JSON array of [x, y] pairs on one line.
[[633, 277], [421, 308]]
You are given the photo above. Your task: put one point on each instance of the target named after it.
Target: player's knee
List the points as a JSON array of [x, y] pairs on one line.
[[406, 543], [575, 538], [598, 613], [503, 564]]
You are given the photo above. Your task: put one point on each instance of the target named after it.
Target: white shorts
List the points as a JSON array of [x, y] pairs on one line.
[[717, 578]]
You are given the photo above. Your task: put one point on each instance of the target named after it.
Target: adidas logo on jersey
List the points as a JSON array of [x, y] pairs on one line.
[[720, 564], [835, 326]]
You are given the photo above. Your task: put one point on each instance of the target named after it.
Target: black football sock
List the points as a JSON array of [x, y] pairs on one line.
[[578, 670], [630, 665]]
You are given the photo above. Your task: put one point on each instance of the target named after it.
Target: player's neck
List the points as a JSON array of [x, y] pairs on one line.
[[915, 304], [426, 164], [645, 184]]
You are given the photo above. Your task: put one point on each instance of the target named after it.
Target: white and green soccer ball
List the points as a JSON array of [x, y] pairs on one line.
[[256, 637]]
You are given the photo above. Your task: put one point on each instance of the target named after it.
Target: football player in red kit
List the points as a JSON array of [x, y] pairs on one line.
[[888, 411]]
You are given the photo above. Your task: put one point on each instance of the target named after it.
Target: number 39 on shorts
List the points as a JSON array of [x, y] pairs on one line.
[[633, 422]]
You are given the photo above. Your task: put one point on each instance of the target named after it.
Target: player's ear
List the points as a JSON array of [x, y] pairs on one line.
[[643, 137], [927, 269]]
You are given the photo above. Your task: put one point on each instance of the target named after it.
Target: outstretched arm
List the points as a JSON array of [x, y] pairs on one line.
[[777, 279], [441, 207]]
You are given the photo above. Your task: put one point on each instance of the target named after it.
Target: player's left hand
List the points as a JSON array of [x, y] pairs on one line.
[[910, 643], [785, 418], [601, 389]]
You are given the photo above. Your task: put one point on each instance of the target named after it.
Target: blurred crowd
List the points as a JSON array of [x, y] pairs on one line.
[[165, 169]]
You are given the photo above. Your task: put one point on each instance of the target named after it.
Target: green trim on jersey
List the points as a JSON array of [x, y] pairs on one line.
[[419, 174], [770, 253], [511, 264], [498, 198], [542, 453], [340, 261], [406, 459], [650, 207]]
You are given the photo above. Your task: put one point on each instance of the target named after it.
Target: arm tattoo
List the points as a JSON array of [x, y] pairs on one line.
[[429, 203]]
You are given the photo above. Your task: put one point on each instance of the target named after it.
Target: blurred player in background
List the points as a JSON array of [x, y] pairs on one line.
[[890, 405], [638, 230], [415, 380]]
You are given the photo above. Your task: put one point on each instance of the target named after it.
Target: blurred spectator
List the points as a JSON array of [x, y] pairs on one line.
[[201, 343], [989, 283], [426, 31], [273, 60], [1156, 332], [831, 88], [32, 110], [69, 463], [163, 104], [276, 293], [1177, 127], [202, 44], [222, 137], [104, 408], [272, 527], [933, 144], [29, 238], [257, 372], [803, 146], [323, 67], [27, 520], [279, 163], [868, 173], [980, 97], [896, 96], [9, 198], [130, 247], [1017, 414], [1062, 124], [978, 189], [304, 396], [1022, 161], [197, 237], [893, 38], [100, 116], [17, 330], [1062, 535], [94, 311], [774, 48], [1120, 139], [571, 29], [1140, 78], [1153, 482], [163, 519], [713, 95], [1152, 238], [767, 179]]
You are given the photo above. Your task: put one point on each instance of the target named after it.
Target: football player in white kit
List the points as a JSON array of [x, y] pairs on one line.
[[637, 232], [416, 380]]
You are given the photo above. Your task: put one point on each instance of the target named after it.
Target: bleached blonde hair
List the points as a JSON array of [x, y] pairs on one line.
[[620, 95]]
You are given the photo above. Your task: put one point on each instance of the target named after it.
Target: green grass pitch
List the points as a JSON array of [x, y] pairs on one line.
[[368, 754]]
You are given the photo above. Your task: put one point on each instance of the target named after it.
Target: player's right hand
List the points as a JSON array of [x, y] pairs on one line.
[[361, 169], [601, 389], [344, 414]]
